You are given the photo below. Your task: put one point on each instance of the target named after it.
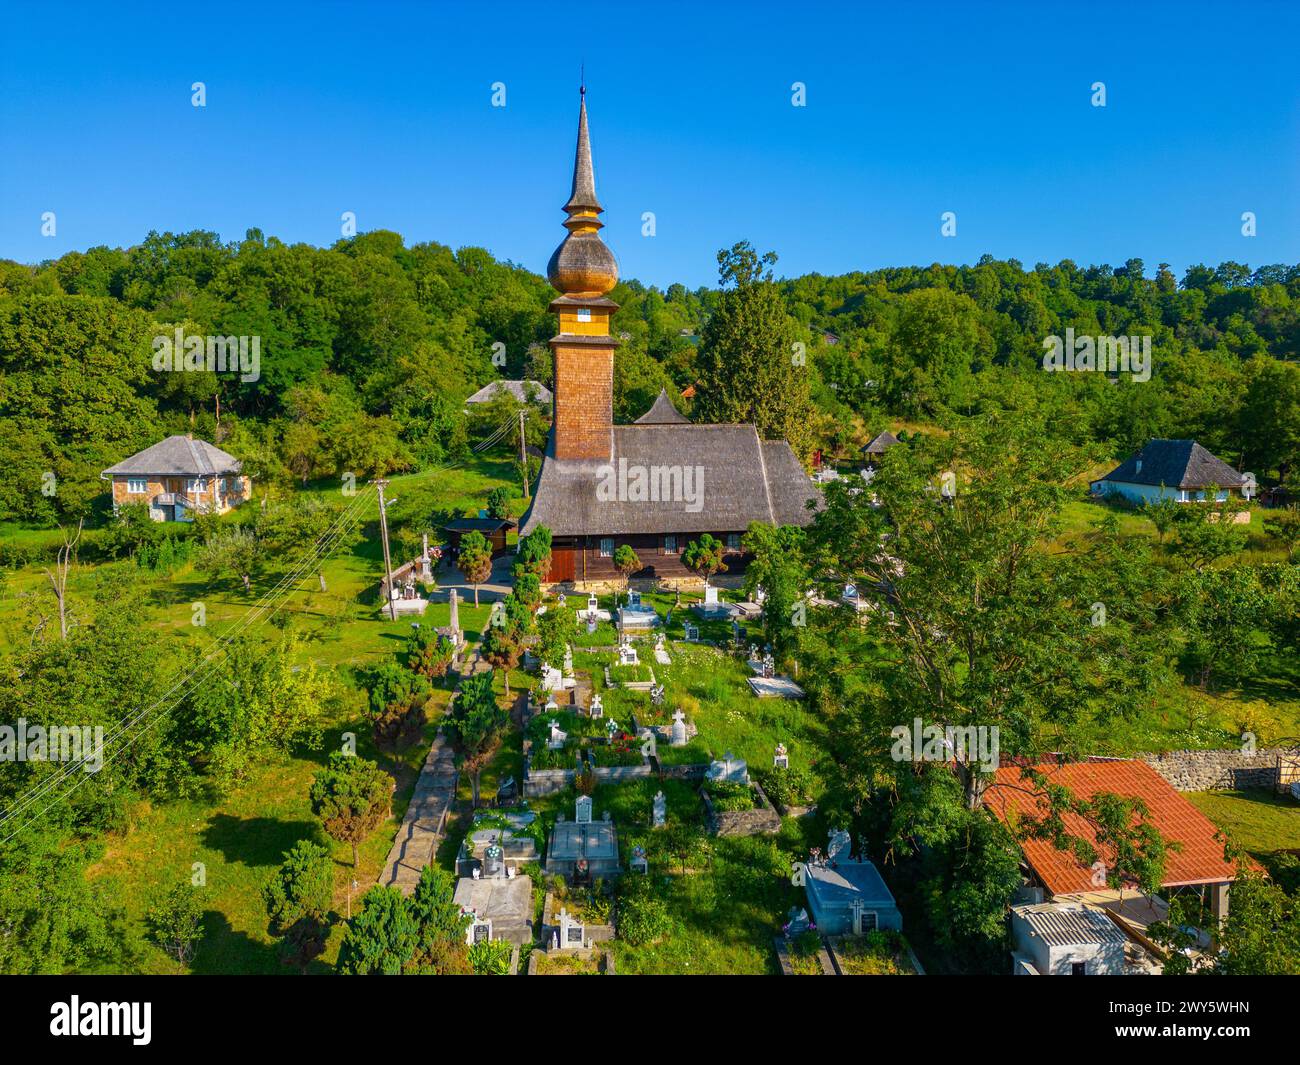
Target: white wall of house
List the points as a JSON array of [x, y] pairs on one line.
[[1150, 493], [1051, 959]]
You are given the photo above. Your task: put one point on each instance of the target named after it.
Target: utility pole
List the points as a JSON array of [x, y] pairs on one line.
[[523, 454], [381, 484]]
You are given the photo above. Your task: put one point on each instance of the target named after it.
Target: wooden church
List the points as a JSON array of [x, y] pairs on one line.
[[660, 482]]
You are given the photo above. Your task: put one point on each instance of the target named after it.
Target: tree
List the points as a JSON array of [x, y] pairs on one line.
[[1221, 610], [988, 628], [704, 556], [298, 898], [351, 797], [476, 723], [1163, 514], [396, 706], [383, 938], [557, 630], [428, 653], [626, 562], [56, 920], [440, 925], [780, 569], [750, 369], [1206, 532], [234, 550], [498, 503], [534, 552], [60, 582], [176, 922], [475, 559]]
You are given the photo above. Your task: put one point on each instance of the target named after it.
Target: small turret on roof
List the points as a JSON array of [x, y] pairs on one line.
[[662, 412]]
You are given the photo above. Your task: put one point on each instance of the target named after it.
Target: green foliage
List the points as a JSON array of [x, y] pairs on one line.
[[491, 957], [626, 560], [704, 556], [750, 370], [642, 915], [175, 922], [351, 797], [420, 935], [728, 796], [298, 898], [556, 630], [56, 920], [498, 503]]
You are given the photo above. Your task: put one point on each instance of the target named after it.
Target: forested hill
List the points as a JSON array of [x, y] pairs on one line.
[[368, 348]]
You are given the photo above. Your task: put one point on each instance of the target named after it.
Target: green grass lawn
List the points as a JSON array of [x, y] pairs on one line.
[[1258, 820]]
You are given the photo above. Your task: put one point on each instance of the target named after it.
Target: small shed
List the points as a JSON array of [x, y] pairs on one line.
[[495, 529], [877, 446]]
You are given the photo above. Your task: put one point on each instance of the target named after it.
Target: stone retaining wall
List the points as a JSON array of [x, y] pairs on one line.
[[761, 820], [1231, 770]]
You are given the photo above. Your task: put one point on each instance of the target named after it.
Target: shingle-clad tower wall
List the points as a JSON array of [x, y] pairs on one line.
[[583, 270]]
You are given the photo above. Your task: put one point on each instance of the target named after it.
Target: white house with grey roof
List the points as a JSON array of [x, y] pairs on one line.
[[1180, 470], [523, 391], [1055, 939], [179, 477]]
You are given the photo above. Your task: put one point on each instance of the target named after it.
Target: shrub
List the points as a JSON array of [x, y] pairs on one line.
[[642, 915], [491, 957]]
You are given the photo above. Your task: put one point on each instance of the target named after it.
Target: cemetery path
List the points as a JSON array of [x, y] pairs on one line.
[[421, 830]]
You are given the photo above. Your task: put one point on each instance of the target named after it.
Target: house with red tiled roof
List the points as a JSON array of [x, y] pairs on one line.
[[1194, 859]]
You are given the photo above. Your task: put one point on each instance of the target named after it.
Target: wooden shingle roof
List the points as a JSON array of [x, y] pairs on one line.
[[1175, 464], [177, 456], [743, 479], [662, 412]]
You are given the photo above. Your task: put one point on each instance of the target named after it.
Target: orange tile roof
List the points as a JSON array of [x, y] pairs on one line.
[[1198, 860]]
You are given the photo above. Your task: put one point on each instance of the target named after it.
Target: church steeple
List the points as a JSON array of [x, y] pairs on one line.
[[583, 196], [582, 265], [583, 270]]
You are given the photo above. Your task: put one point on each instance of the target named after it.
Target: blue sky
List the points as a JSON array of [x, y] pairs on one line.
[[912, 110]]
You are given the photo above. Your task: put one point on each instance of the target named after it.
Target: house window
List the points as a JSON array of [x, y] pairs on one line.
[[670, 545], [194, 484], [733, 541], [137, 486], [606, 547], [1078, 968]]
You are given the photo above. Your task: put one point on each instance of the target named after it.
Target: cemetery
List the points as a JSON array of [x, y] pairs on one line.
[[644, 831]]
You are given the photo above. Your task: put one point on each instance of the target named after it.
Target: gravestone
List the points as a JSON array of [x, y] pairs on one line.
[[850, 591], [627, 655], [582, 810], [690, 632], [551, 705], [611, 727], [493, 865], [597, 709], [508, 791], [856, 909], [556, 740], [640, 864], [710, 595], [593, 604], [780, 760], [572, 934], [677, 737], [760, 595], [657, 695], [634, 599], [660, 810], [591, 625], [563, 600]]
